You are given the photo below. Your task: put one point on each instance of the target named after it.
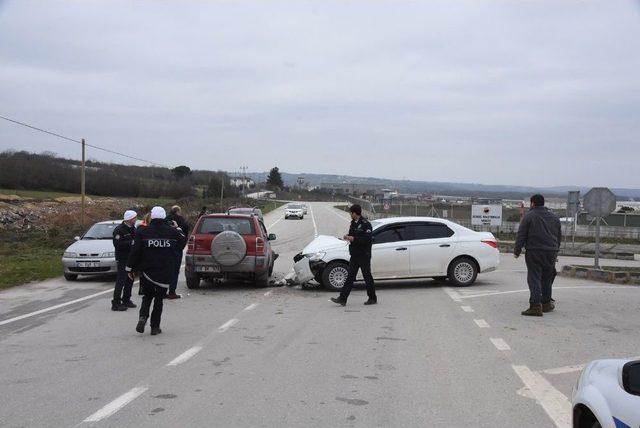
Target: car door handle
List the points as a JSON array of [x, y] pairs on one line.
[[401, 249], [445, 246]]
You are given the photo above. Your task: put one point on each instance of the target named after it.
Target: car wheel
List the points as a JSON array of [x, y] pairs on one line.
[[193, 281], [463, 272], [335, 275], [70, 276]]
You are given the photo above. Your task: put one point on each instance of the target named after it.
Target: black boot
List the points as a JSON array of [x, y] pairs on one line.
[[141, 323], [155, 330], [371, 301], [129, 304], [117, 306], [339, 301]]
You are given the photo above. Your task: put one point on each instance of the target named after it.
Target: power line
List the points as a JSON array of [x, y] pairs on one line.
[[80, 142]]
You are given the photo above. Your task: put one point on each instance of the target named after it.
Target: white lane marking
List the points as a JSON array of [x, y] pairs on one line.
[[226, 326], [575, 368], [500, 344], [555, 288], [467, 308], [251, 307], [565, 369], [452, 293], [554, 403], [336, 211], [268, 293], [481, 323], [185, 356], [313, 218], [274, 223], [117, 404], [53, 308]]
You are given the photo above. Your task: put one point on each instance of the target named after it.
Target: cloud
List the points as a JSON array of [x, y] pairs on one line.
[[531, 93]]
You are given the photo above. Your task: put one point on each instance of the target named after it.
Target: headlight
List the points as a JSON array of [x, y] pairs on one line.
[[107, 255], [316, 256], [69, 255]]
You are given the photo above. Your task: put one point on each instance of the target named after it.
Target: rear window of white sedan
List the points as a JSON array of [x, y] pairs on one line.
[[433, 230]]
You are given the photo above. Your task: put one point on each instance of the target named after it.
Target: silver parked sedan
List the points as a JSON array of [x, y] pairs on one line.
[[93, 253]]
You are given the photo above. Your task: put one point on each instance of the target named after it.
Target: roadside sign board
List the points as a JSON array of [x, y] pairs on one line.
[[386, 206], [486, 215], [600, 202], [573, 203]]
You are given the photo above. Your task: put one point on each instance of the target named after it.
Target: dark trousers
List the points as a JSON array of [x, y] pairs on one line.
[[541, 271], [363, 263], [176, 273], [152, 294], [122, 291]]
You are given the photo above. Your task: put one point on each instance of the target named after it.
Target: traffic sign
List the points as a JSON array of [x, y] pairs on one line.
[[386, 206], [600, 202]]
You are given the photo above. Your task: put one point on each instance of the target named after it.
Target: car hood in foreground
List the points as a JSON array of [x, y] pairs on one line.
[[88, 246], [324, 243]]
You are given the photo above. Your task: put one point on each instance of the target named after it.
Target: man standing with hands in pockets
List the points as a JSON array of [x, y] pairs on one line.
[[360, 242]]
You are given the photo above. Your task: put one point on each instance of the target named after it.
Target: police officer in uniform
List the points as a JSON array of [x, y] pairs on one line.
[[176, 215], [153, 257], [123, 236], [360, 242]]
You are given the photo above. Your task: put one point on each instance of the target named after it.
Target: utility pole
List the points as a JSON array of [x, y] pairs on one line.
[[221, 191], [244, 178], [82, 186]]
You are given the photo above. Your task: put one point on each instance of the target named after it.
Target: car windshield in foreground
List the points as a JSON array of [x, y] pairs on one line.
[[242, 226], [100, 231]]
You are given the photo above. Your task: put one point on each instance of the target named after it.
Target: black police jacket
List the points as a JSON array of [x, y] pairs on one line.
[[361, 231], [153, 252], [123, 236]]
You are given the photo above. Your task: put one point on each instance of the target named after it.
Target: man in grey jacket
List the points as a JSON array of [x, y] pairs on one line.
[[540, 233]]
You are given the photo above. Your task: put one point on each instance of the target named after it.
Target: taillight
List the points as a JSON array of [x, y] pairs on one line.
[[259, 245], [491, 242], [191, 243]]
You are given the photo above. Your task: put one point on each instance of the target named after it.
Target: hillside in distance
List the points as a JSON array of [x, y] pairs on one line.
[[444, 188]]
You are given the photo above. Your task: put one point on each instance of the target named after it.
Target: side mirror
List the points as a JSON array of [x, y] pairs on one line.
[[631, 377], [76, 238], [271, 237]]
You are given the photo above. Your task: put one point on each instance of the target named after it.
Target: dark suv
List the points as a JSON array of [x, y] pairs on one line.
[[234, 246]]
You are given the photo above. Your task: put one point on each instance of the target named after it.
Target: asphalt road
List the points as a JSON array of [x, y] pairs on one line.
[[231, 355]]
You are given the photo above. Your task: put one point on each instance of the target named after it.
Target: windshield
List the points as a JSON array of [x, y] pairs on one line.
[[100, 231], [295, 207], [242, 226]]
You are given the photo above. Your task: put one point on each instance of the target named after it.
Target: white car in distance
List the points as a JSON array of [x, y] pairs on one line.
[[406, 248], [294, 210]]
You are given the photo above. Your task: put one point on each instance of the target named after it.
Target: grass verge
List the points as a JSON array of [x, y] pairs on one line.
[[29, 260]]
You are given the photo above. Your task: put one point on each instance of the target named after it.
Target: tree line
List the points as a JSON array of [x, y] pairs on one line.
[[29, 171]]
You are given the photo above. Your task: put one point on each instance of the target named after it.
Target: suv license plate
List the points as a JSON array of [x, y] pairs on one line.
[[213, 269], [88, 264]]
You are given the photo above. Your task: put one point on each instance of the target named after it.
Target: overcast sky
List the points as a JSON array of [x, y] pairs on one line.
[[497, 92]]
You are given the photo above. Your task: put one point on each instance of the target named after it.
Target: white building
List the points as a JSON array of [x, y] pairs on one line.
[[240, 182]]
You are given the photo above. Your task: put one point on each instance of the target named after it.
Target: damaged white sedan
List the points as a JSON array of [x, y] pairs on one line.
[[405, 248]]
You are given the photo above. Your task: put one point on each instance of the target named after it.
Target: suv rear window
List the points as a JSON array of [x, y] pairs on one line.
[[213, 225]]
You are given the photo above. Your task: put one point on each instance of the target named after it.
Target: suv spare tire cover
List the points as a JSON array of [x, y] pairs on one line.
[[228, 248]]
